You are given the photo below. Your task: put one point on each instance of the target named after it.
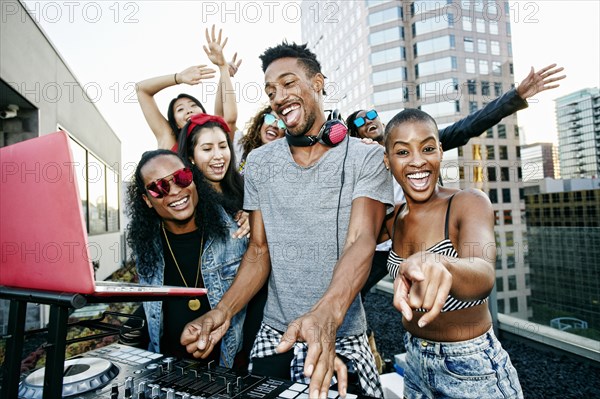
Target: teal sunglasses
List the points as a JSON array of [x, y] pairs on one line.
[[269, 119], [370, 115]]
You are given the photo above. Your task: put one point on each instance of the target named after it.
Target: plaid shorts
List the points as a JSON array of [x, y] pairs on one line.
[[355, 347]]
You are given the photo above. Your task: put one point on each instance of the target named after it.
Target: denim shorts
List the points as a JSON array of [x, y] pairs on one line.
[[477, 368]]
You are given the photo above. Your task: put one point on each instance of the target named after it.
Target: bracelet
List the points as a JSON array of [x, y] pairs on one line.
[[175, 78]]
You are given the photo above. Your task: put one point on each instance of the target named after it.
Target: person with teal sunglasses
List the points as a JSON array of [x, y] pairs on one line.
[[263, 128]]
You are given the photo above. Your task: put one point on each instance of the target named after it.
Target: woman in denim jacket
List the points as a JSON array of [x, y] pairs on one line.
[[169, 211]]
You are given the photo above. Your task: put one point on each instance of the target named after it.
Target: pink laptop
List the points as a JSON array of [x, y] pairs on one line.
[[43, 238]]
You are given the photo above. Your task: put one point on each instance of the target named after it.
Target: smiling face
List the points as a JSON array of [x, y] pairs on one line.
[[295, 97], [183, 109], [414, 155], [178, 208], [212, 154], [372, 129], [272, 131]]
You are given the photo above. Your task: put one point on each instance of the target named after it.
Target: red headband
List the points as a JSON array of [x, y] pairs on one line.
[[201, 119]]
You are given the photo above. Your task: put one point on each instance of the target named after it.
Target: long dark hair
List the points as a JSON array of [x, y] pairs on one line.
[[171, 111], [232, 186], [144, 223]]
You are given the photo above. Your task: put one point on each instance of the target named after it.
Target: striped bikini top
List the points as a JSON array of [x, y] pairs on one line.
[[445, 248]]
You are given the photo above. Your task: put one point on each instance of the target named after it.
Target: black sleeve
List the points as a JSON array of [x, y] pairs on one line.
[[479, 121]]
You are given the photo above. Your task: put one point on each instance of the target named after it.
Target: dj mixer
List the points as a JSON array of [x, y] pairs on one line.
[[123, 372]]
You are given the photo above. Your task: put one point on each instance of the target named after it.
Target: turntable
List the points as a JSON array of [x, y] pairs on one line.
[[80, 376], [120, 371]]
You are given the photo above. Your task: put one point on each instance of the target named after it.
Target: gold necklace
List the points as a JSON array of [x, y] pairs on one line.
[[194, 303]]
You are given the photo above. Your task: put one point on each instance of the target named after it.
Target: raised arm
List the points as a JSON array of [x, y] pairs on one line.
[[225, 100], [147, 89], [475, 124], [234, 66], [319, 326], [201, 335]]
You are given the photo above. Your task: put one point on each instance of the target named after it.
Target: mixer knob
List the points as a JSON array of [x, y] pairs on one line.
[[170, 393]]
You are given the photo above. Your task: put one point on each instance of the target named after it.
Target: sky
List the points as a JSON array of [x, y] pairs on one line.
[[110, 45]]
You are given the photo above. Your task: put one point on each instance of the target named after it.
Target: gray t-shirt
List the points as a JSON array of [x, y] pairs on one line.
[[302, 219]]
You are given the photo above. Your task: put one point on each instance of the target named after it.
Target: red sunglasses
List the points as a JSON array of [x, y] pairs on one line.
[[161, 187]]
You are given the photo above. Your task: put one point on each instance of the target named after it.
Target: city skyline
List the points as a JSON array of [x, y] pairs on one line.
[[122, 41]]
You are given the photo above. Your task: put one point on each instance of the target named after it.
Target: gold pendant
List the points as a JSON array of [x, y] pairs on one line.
[[194, 304]]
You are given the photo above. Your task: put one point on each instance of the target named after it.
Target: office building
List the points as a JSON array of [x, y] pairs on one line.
[[449, 58], [39, 95], [538, 161], [578, 122], [563, 231]]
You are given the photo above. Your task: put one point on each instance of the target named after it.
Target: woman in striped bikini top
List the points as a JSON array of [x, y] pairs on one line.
[[443, 247], [442, 282], [441, 286]]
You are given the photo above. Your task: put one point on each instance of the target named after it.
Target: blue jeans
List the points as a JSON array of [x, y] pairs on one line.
[[477, 368]]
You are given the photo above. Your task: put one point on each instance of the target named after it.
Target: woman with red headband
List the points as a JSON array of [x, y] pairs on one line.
[[206, 143]]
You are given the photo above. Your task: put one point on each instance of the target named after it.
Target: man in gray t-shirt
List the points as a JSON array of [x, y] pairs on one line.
[[316, 209]]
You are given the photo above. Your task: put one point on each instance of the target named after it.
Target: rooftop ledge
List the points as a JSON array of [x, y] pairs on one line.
[[547, 335]]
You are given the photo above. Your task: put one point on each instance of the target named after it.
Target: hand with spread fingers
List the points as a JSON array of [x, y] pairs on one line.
[[216, 44], [195, 74], [539, 81]]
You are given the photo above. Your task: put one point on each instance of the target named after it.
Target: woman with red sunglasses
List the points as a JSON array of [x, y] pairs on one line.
[[181, 235]]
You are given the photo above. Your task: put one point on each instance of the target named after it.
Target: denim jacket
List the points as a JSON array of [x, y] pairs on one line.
[[221, 258]]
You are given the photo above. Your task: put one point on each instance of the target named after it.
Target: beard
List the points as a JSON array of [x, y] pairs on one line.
[[303, 127]]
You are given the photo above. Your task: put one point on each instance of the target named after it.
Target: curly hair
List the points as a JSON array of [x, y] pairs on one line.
[[232, 185], [171, 111], [252, 139], [143, 228], [352, 129], [306, 58]]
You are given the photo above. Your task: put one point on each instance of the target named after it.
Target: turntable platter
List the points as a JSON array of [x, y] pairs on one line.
[[80, 375]]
